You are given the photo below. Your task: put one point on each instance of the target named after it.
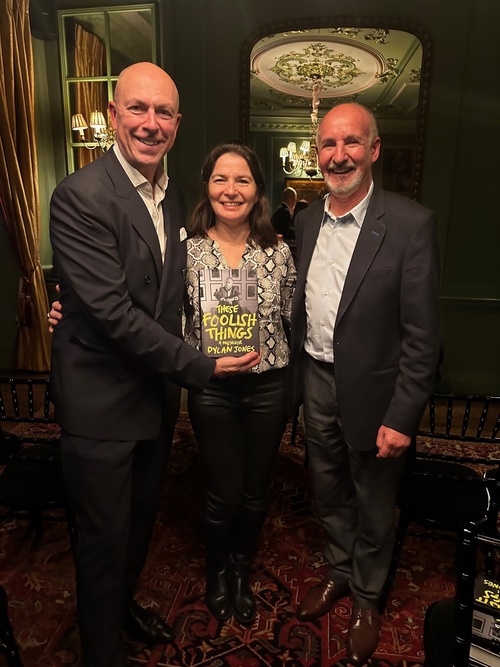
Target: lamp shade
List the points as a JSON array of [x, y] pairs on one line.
[[78, 122], [97, 121]]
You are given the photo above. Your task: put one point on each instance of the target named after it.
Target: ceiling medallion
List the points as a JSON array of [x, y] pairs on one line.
[[345, 66], [316, 61]]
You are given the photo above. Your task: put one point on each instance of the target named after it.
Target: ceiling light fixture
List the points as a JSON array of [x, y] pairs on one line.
[[306, 159]]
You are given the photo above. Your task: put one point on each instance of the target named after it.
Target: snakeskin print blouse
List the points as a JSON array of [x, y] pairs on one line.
[[276, 276]]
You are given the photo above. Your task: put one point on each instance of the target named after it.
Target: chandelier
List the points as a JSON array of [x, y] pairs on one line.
[[103, 133], [306, 158]]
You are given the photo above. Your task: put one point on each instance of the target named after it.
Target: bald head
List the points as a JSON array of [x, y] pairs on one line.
[[352, 110], [147, 74], [145, 115], [290, 197]]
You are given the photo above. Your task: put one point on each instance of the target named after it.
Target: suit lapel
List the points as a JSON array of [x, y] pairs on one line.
[[309, 237], [369, 241], [137, 211], [171, 212]]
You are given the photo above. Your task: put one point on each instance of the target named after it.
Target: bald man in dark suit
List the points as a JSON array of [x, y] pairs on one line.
[[365, 349], [118, 358]]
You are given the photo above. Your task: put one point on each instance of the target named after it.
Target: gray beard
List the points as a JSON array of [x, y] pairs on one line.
[[348, 188]]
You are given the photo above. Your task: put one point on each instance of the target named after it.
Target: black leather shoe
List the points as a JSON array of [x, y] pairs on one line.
[[146, 626], [363, 635], [320, 599], [217, 596]]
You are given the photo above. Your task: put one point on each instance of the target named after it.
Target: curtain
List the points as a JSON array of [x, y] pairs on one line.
[[90, 95], [19, 183]]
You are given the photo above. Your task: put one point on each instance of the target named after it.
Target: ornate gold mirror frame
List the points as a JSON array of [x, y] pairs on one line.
[[354, 56]]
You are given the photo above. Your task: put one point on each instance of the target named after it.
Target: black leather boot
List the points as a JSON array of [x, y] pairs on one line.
[[218, 593], [248, 527], [243, 600]]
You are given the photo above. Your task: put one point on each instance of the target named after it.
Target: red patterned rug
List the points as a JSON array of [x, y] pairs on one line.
[[40, 584]]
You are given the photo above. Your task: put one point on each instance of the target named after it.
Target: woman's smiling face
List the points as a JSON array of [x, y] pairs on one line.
[[232, 190]]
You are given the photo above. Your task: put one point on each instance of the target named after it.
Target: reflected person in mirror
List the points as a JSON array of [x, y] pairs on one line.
[[282, 217]]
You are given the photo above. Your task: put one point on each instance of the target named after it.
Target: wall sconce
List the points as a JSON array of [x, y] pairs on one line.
[[104, 135]]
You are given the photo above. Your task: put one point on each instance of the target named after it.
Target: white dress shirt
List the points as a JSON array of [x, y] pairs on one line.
[[151, 197], [326, 276]]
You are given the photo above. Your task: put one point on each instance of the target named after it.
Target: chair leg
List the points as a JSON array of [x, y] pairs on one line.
[[35, 516], [72, 524], [403, 524], [491, 530], [294, 427], [8, 644]]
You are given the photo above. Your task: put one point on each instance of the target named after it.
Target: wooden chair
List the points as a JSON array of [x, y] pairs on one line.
[[31, 481], [445, 486]]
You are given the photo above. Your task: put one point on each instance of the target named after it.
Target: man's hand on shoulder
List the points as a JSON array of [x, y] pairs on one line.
[[391, 443], [231, 365]]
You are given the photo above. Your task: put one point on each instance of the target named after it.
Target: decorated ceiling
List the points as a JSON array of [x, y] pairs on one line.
[[377, 67]]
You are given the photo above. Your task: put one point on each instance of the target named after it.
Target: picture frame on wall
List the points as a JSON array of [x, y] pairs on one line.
[[310, 189]]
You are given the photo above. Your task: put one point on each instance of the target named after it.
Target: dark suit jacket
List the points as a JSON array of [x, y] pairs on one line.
[[281, 220], [387, 332], [117, 356]]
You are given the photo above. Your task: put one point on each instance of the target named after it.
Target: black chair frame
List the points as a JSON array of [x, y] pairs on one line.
[[466, 646], [442, 491], [8, 645], [31, 481]]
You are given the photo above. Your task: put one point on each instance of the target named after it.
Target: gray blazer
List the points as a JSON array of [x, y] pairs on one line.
[[387, 337], [117, 356]]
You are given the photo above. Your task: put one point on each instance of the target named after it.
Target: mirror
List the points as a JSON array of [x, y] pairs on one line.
[[96, 44], [290, 70]]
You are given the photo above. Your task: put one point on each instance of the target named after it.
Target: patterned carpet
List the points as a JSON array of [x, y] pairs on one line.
[[40, 584]]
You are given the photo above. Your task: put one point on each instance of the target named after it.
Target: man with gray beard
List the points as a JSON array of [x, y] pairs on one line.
[[365, 350]]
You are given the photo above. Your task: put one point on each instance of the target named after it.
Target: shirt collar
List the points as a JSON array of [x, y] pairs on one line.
[[358, 212], [137, 179]]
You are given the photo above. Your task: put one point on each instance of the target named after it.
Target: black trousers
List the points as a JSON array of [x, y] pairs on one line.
[[238, 423], [116, 488], [354, 492]]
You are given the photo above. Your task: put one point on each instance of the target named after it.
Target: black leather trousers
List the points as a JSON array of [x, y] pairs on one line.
[[238, 422]]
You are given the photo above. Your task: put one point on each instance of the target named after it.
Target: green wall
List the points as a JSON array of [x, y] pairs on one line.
[[202, 46], [461, 149]]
